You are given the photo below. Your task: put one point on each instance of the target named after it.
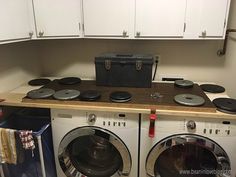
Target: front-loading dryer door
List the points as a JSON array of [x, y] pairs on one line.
[[187, 156], [93, 152]]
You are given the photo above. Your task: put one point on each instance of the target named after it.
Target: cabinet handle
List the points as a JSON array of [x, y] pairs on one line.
[[41, 32], [125, 33], [31, 33], [138, 34], [204, 33]]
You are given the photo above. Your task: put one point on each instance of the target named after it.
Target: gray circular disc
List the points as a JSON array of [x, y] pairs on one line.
[[40, 93], [184, 83], [66, 94], [189, 100]]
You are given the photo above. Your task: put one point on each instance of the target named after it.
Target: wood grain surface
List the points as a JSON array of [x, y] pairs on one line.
[[141, 97]]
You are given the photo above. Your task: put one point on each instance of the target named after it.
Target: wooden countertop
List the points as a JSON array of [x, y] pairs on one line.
[[141, 97], [14, 98]]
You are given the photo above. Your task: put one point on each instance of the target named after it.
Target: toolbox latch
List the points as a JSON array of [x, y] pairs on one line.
[[139, 64], [108, 64]]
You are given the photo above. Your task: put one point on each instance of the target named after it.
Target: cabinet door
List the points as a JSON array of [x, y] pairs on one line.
[[160, 18], [108, 18], [14, 20], [57, 18], [206, 18]]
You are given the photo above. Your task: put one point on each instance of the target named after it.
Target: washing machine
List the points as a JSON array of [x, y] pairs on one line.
[[187, 147], [95, 144]]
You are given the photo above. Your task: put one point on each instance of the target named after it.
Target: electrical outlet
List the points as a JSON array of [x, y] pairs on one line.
[[158, 58], [171, 77]]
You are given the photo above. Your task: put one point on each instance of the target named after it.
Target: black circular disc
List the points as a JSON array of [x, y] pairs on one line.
[[212, 88], [120, 96], [227, 105], [40, 93], [90, 95], [66, 94], [39, 82], [69, 80], [184, 83]]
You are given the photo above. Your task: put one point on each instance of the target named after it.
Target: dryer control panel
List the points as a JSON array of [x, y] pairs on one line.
[[201, 126], [214, 128]]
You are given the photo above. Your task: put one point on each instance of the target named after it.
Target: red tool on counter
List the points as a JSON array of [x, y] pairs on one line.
[[153, 118]]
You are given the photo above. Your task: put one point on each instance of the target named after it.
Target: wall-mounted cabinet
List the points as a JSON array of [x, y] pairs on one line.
[[160, 18], [57, 18], [108, 18], [119, 19], [206, 18], [15, 20]]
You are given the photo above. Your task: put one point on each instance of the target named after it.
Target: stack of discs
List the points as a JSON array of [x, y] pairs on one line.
[[120, 96], [189, 100], [184, 83], [40, 93], [226, 105], [212, 88], [69, 81], [90, 95], [39, 82], [66, 94]]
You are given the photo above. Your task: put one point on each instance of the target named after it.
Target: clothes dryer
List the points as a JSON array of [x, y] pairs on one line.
[[188, 146]]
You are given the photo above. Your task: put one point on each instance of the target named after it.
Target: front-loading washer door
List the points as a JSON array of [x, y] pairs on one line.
[[93, 152], [187, 156]]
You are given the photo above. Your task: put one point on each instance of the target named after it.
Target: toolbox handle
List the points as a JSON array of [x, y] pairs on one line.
[[138, 64], [124, 55]]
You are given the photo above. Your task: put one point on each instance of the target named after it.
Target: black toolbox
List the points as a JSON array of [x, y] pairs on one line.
[[124, 70]]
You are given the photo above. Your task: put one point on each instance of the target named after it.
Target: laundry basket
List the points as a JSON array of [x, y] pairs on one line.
[[41, 163]]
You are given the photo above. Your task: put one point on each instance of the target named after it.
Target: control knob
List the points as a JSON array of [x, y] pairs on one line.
[[92, 118], [191, 125]]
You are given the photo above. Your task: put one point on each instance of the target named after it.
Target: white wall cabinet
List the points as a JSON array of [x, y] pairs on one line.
[[132, 19], [14, 20], [57, 18], [160, 18], [108, 18], [206, 18]]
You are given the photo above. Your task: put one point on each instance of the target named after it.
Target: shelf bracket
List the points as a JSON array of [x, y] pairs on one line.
[[222, 52]]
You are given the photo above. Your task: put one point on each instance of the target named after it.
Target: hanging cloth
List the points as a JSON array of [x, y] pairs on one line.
[[27, 140], [8, 146]]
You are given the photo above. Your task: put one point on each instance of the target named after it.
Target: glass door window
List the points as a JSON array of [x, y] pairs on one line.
[[94, 156], [93, 152], [187, 156], [182, 159]]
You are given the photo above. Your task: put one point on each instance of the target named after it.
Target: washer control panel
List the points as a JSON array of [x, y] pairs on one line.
[[116, 120], [95, 118], [112, 119]]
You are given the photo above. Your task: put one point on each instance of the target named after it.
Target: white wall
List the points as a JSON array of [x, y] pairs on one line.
[[18, 64], [196, 60]]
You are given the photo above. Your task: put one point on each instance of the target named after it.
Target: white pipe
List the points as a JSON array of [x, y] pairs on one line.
[[41, 156], [1, 171]]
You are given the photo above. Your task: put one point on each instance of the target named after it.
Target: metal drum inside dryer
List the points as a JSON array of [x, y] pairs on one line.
[[187, 147], [95, 144]]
